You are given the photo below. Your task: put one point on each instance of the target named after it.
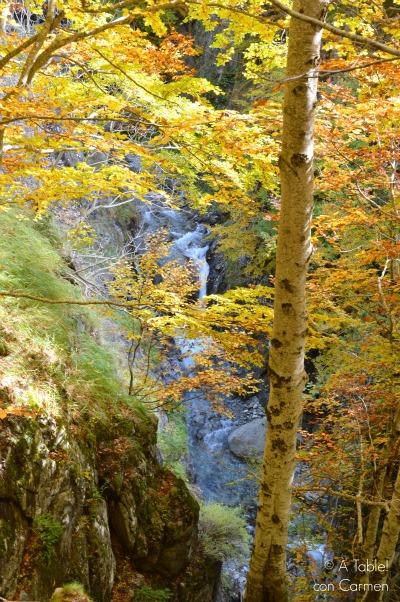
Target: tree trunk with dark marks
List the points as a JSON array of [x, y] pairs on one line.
[[267, 576]]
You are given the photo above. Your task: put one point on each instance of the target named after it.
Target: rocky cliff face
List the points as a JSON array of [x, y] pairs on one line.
[[83, 496], [75, 509], [52, 527]]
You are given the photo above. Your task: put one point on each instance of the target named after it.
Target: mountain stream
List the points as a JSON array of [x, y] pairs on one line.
[[218, 475]]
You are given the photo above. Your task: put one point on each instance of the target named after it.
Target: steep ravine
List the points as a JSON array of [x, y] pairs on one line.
[[218, 474], [84, 498]]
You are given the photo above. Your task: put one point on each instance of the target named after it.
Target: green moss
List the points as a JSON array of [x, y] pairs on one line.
[[173, 444], [148, 594], [72, 592]]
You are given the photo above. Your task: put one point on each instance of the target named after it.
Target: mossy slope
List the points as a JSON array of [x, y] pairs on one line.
[[82, 490]]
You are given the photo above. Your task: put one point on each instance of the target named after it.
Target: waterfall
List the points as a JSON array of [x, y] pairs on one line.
[[188, 245], [219, 475]]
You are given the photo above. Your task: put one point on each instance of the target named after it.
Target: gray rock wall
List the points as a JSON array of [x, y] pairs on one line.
[[72, 506]]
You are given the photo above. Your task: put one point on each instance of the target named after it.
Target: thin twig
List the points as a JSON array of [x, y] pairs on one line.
[[21, 295]]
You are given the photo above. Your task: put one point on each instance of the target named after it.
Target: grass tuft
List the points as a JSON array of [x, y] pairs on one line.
[[222, 532]]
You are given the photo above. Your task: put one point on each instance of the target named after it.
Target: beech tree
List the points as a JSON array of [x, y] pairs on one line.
[[267, 576]]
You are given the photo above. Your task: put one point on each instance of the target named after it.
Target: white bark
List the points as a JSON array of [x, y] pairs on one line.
[[267, 575]]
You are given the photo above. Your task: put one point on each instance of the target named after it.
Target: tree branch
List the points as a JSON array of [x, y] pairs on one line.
[[341, 494], [131, 79], [7, 58], [107, 302], [60, 42], [317, 22], [325, 73], [50, 23], [335, 30]]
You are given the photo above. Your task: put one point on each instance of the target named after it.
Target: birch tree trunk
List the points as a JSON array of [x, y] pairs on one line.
[[267, 576]]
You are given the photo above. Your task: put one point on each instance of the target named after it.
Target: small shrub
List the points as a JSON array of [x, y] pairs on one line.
[[148, 594], [49, 531], [222, 532], [72, 592]]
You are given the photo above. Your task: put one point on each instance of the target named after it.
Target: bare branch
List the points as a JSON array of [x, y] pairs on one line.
[[341, 494], [105, 302]]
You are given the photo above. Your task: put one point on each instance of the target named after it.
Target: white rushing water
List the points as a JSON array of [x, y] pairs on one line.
[[220, 476], [191, 246], [217, 473]]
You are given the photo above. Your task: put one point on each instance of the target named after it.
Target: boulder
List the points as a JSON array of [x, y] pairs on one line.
[[247, 440]]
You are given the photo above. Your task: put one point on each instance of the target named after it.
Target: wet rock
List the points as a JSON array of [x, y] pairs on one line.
[[97, 159], [216, 260], [124, 520], [13, 533], [248, 440], [134, 162], [202, 582]]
